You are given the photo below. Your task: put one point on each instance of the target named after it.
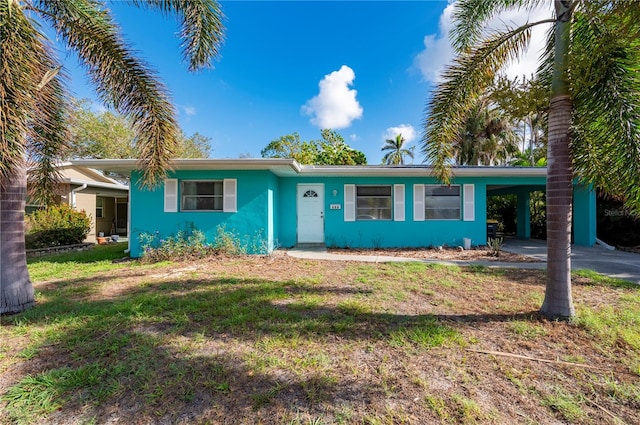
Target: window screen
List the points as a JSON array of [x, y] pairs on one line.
[[202, 195], [373, 203], [442, 202]]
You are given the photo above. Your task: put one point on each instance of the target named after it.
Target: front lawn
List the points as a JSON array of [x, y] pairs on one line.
[[279, 340]]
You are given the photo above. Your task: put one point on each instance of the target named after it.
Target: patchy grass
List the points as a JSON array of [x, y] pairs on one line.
[[279, 340], [77, 264], [568, 406], [527, 329]]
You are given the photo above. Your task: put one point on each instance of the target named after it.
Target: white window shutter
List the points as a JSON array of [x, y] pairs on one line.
[[418, 202], [349, 202], [469, 204], [398, 202], [171, 195], [230, 195]]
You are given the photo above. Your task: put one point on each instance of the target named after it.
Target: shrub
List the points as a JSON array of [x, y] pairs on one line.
[[495, 246], [56, 225], [188, 244]]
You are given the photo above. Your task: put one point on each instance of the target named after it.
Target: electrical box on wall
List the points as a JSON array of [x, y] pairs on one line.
[[335, 206]]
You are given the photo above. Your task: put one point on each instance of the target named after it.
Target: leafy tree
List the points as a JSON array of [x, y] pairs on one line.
[[331, 150], [397, 151], [290, 146], [107, 134], [334, 151], [194, 146], [591, 67], [33, 107], [99, 134]]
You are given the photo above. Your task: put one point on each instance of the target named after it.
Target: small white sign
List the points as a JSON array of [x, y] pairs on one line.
[[335, 206]]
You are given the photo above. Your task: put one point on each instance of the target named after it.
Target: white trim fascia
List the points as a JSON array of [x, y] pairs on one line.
[[279, 166], [112, 186], [422, 171]]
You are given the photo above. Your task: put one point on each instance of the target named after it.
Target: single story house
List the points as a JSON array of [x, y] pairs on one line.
[[104, 199], [273, 203]]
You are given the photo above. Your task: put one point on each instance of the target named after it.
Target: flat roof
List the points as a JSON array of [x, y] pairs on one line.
[[290, 167]]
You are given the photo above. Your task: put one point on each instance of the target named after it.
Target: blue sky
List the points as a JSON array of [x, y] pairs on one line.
[[364, 68]]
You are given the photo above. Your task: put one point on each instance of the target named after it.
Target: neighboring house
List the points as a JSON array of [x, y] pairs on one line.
[[105, 200], [280, 203]]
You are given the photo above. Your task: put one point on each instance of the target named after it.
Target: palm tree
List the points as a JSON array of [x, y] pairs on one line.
[[486, 136], [591, 65], [33, 103], [397, 151]]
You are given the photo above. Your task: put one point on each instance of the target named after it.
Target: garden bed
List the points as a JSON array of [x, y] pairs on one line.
[[39, 252]]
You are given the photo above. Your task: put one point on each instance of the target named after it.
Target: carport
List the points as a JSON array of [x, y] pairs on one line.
[[534, 179]]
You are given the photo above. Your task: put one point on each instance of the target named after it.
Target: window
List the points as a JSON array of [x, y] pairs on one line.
[[99, 207], [441, 202], [202, 195], [373, 203]]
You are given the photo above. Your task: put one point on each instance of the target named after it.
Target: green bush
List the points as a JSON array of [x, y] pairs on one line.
[[186, 244], [189, 243], [56, 225]]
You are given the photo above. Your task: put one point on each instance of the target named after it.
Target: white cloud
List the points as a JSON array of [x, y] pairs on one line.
[[189, 110], [438, 52], [353, 137], [408, 133], [437, 49], [335, 106]]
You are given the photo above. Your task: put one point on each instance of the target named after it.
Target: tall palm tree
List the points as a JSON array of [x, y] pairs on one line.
[[33, 103], [397, 151], [591, 64]]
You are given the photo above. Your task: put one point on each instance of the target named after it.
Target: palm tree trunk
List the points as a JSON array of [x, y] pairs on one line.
[[558, 302], [16, 291]]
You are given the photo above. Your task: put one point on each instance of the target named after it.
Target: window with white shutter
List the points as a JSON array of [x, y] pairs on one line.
[[398, 202], [349, 202], [170, 195], [230, 203], [418, 202], [469, 202]]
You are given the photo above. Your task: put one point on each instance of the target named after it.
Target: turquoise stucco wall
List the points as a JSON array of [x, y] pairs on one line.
[[381, 233], [251, 222], [267, 215], [523, 209], [272, 209], [584, 215]]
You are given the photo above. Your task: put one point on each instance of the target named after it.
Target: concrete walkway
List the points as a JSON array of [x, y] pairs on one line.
[[320, 253], [618, 264]]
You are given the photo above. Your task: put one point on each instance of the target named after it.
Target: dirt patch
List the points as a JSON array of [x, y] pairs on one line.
[[445, 254]]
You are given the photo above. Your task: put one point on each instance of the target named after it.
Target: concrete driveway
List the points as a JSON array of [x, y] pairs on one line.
[[618, 264]]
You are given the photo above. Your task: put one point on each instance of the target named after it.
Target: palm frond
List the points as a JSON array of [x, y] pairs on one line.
[[31, 91], [605, 64], [121, 79], [202, 30], [471, 73], [471, 16], [48, 141]]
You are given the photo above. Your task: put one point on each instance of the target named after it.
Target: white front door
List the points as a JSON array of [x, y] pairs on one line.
[[310, 213]]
